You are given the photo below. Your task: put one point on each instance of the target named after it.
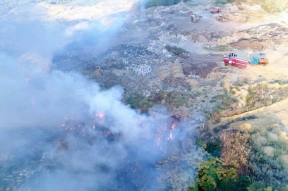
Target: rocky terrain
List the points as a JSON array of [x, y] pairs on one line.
[[158, 51]]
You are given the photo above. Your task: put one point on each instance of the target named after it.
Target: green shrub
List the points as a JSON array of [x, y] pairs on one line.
[[213, 148], [259, 186], [219, 48], [175, 50], [153, 3], [224, 1], [213, 176], [176, 99], [268, 168], [138, 101]]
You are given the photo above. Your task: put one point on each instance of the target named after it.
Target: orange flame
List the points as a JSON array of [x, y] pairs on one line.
[[173, 126], [100, 115]]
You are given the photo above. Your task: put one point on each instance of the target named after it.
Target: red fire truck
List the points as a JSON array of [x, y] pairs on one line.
[[235, 60]]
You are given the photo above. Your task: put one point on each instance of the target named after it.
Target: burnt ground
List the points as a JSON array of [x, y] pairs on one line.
[[137, 58], [139, 61], [138, 71], [188, 76]]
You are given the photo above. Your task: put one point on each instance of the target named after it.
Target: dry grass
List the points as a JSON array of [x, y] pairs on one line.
[[272, 6], [235, 151]]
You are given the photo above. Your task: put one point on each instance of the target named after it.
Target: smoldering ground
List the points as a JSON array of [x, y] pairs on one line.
[[61, 131], [73, 136]]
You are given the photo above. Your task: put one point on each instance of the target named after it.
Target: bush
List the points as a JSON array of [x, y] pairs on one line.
[[213, 176], [138, 101], [175, 50], [234, 149], [224, 1], [153, 3], [264, 167], [259, 186], [213, 148]]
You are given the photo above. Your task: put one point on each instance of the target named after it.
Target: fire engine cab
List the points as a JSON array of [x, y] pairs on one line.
[[234, 60]]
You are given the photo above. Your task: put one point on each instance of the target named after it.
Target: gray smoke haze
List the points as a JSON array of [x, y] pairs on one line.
[[61, 132]]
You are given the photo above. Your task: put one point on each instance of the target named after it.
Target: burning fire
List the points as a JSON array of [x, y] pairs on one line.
[[100, 117], [166, 130]]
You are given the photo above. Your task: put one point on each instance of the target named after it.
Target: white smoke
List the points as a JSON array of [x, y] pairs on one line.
[[61, 131]]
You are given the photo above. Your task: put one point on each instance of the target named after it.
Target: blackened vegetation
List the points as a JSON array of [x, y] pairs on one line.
[[199, 65], [123, 56], [175, 119], [226, 126], [144, 166], [202, 69], [18, 166], [101, 67], [75, 57], [175, 50], [78, 55], [131, 174]]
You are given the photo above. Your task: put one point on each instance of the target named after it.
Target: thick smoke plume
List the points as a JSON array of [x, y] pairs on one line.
[[61, 131]]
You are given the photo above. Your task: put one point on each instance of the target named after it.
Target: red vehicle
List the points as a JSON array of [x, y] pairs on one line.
[[234, 60], [215, 10]]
